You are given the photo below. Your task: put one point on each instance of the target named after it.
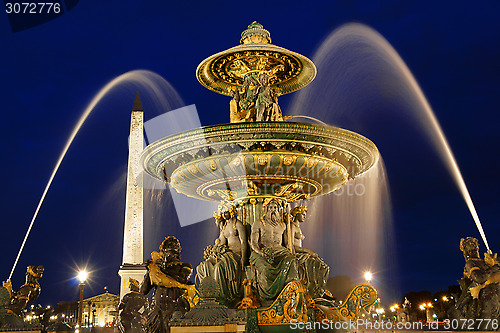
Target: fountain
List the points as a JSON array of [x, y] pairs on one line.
[[257, 166]]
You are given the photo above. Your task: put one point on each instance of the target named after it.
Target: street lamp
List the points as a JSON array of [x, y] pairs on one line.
[[93, 314], [368, 276], [82, 276], [426, 307]]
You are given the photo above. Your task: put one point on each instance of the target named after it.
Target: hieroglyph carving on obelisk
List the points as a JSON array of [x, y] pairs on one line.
[[132, 264]]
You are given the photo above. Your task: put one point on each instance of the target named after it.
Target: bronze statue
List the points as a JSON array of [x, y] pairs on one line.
[[312, 268], [256, 100], [266, 103], [132, 307], [28, 292], [172, 289], [225, 261], [248, 96], [480, 285], [236, 114], [13, 302], [403, 314], [264, 100], [229, 269], [274, 264], [212, 253]]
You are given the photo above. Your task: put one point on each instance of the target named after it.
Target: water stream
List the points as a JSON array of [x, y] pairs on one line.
[[148, 82], [357, 66]]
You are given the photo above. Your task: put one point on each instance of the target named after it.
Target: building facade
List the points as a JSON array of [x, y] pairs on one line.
[[98, 311]]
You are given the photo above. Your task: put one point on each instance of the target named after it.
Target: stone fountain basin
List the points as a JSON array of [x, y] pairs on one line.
[[241, 160]]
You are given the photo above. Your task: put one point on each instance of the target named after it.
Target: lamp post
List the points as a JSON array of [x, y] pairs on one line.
[[426, 307], [395, 310], [93, 315], [368, 277], [82, 276]]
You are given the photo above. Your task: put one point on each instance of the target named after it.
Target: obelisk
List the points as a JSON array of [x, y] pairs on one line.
[[132, 264]]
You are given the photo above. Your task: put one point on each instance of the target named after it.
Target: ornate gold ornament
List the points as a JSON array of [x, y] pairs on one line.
[[288, 160], [298, 210], [311, 162], [290, 305], [8, 285], [292, 192], [226, 195], [193, 168], [252, 189], [263, 159], [236, 161], [227, 206], [250, 300], [161, 279], [267, 200], [225, 72], [363, 296]]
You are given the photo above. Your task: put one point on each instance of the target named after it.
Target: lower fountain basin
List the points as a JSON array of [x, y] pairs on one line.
[[259, 159]]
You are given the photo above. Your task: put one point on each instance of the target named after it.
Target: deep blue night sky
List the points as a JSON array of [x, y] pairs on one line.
[[51, 72]]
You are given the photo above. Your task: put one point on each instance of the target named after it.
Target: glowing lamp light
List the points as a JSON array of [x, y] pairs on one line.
[[82, 276], [395, 308], [368, 276]]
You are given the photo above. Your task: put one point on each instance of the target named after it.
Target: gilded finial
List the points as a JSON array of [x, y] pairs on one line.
[[255, 33]]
